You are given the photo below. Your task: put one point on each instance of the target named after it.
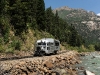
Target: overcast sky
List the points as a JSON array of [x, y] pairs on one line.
[[89, 5]]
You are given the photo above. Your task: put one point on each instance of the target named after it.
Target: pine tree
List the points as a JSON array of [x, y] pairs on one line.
[[56, 25], [49, 20], [4, 19], [18, 16], [40, 15], [32, 9], [75, 38]]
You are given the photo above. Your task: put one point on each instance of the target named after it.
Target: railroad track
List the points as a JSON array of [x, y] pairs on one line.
[[30, 56]]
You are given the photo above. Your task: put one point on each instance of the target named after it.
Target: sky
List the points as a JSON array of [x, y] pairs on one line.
[[89, 5]]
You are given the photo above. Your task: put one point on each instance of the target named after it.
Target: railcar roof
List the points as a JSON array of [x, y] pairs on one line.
[[46, 40]]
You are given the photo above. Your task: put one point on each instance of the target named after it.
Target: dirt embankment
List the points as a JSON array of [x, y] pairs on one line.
[[62, 64]]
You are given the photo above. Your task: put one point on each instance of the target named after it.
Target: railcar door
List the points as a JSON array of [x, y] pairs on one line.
[[50, 47]]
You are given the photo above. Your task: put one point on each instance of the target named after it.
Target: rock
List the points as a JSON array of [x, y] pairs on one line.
[[88, 73], [93, 57], [22, 63], [94, 63], [53, 73], [81, 68], [48, 64], [63, 71], [71, 72], [54, 60], [33, 73]]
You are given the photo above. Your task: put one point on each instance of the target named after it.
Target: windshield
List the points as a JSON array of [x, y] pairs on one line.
[[41, 43]]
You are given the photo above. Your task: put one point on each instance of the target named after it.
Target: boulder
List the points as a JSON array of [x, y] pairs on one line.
[[60, 64], [88, 73], [48, 64]]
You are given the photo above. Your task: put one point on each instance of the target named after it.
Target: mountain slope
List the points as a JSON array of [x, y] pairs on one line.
[[87, 23]]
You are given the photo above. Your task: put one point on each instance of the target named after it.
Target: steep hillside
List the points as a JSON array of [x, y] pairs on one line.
[[21, 24], [24, 42], [87, 23]]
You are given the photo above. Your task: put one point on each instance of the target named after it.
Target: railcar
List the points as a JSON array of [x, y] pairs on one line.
[[46, 46]]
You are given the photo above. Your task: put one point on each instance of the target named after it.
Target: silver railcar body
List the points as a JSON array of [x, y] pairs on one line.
[[47, 46]]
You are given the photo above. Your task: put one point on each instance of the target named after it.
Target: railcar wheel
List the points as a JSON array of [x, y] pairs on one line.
[[55, 52], [42, 53]]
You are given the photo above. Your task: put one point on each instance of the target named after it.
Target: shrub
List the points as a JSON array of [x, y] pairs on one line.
[[9, 50], [2, 48], [91, 48], [16, 44], [97, 47], [1, 41]]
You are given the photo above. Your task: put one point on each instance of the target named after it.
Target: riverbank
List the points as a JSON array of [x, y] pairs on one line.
[[61, 64], [90, 61]]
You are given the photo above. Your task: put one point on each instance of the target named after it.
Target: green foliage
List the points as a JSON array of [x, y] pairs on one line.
[[82, 48], [4, 20], [9, 50], [2, 49], [1, 45], [61, 30], [77, 17], [49, 20], [91, 47], [20, 16], [40, 14], [4, 27], [97, 47], [15, 44], [42, 34], [1, 40]]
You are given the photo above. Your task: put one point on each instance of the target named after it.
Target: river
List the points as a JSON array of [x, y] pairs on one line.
[[90, 62]]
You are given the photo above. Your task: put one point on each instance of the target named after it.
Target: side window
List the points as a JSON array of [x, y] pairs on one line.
[[44, 43], [48, 48], [39, 43], [49, 44], [56, 43]]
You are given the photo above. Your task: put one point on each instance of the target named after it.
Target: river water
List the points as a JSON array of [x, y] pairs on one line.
[[91, 62]]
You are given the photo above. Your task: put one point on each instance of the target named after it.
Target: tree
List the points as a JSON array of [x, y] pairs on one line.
[[4, 19], [40, 15], [56, 25], [97, 47], [18, 16], [49, 20], [73, 36], [30, 13]]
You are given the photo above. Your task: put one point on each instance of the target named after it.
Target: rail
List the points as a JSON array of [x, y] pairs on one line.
[[30, 56]]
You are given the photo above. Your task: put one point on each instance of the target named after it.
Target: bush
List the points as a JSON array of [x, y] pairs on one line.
[[91, 48], [5, 27], [1, 41], [97, 47], [2, 48], [9, 50], [16, 44]]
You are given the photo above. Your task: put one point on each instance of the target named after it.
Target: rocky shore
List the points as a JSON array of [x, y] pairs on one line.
[[62, 64]]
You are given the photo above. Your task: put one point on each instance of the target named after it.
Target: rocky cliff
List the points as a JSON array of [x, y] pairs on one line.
[[87, 23]]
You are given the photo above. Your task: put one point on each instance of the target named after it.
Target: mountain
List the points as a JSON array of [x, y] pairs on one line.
[[87, 23]]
